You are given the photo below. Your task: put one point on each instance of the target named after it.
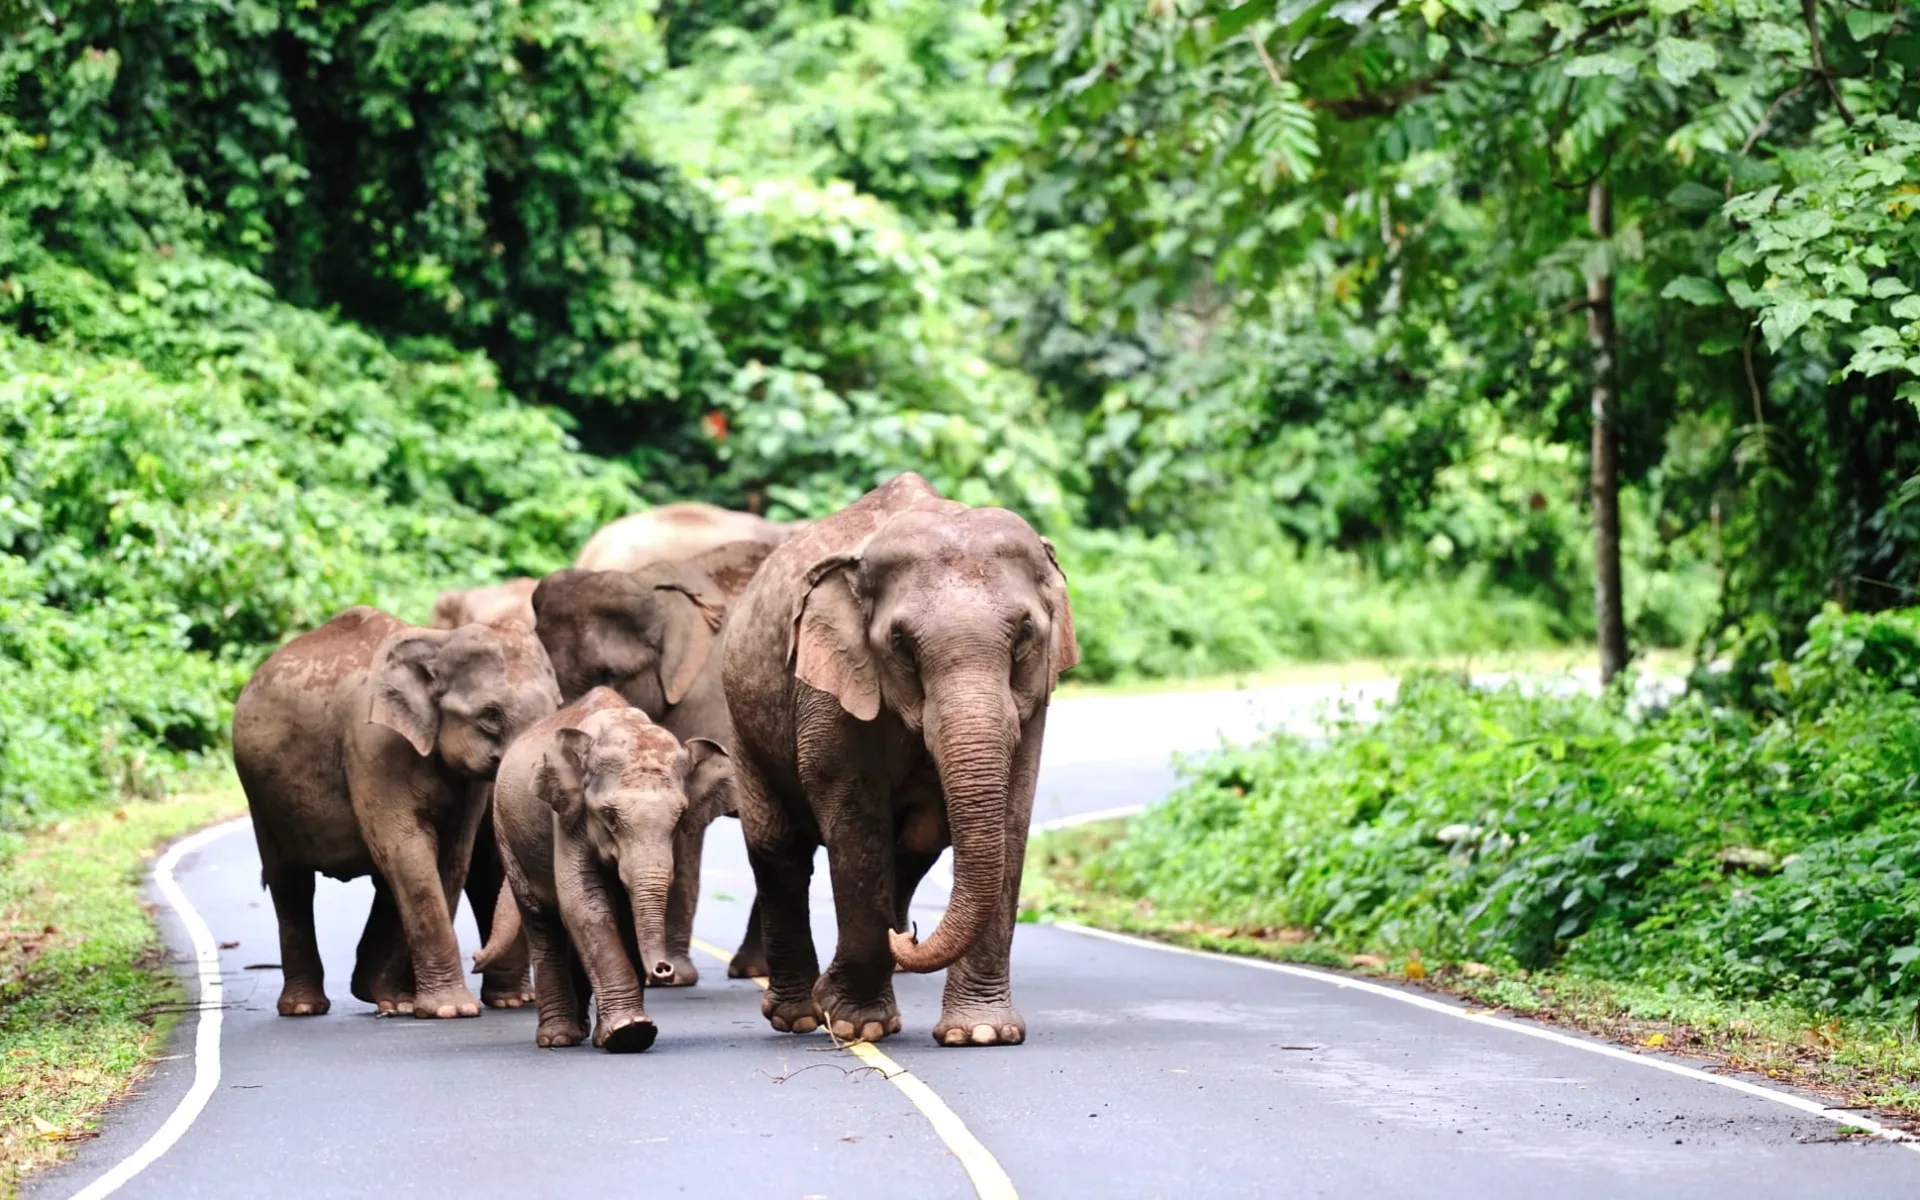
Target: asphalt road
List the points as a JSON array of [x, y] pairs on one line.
[[1146, 1073]]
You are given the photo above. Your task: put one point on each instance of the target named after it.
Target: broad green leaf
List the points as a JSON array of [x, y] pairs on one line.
[[1863, 25], [1612, 62], [1695, 197], [1907, 308], [1887, 285], [1680, 59], [1785, 319], [1694, 290]]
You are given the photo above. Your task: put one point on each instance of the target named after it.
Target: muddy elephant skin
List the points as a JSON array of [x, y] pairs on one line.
[[888, 672], [587, 807], [365, 747], [653, 635], [509, 601], [674, 533]]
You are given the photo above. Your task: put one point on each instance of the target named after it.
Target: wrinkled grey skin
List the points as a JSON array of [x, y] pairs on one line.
[[509, 601], [888, 671], [653, 636], [674, 533], [365, 748], [587, 808]]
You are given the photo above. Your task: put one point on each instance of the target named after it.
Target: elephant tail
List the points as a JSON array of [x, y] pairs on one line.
[[506, 929]]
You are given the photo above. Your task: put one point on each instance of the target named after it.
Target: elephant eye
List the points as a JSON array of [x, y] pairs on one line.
[[491, 721], [902, 645], [1024, 637]]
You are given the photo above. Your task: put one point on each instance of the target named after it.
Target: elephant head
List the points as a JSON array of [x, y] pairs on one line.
[[646, 634], [958, 623], [463, 694], [619, 786]]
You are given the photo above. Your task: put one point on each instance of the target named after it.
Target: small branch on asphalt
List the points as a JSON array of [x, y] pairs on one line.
[[849, 1072]]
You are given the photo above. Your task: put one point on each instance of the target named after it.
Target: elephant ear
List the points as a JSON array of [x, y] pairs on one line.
[[1066, 649], [449, 611], [406, 686], [561, 778], [830, 651], [687, 642], [708, 781]]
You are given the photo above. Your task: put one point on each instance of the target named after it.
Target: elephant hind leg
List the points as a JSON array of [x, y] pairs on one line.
[[303, 992], [382, 968], [782, 859], [750, 960], [558, 982]]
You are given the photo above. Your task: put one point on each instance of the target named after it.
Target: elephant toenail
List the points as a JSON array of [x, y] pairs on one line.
[[893, 1023], [984, 1035], [805, 1025], [1011, 1033], [956, 1037], [873, 1031], [843, 1029], [780, 1024]]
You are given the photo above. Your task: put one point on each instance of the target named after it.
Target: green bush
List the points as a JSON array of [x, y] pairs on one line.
[[1534, 828]]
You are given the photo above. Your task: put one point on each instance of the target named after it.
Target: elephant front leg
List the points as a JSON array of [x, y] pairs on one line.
[[689, 842], [411, 863], [621, 1024], [782, 859], [856, 993]]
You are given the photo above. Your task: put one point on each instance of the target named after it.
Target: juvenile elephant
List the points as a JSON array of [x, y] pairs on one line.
[[509, 601], [889, 671], [365, 748], [587, 809], [651, 635], [673, 533]]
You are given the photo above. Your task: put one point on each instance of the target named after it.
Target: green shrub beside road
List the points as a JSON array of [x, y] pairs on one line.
[[1766, 852]]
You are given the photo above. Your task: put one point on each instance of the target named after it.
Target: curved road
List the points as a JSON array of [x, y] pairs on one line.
[[1147, 1072]]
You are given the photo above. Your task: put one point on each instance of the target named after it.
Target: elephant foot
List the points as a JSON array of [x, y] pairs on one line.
[[625, 1034], [749, 962], [563, 1032], [685, 974], [446, 1003], [980, 1025], [506, 993], [848, 1020], [790, 1016], [303, 1000]]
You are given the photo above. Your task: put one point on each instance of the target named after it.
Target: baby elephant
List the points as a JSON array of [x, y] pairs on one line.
[[365, 748], [586, 807]]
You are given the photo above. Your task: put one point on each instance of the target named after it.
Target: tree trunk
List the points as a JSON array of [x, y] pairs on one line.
[[1609, 613]]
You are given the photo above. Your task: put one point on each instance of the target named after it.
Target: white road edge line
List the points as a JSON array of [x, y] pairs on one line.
[[1812, 1107], [206, 1038]]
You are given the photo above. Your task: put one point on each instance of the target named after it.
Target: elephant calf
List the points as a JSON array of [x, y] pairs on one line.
[[588, 808], [365, 747]]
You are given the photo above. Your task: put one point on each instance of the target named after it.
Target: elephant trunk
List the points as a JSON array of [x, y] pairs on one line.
[[506, 928], [648, 877], [970, 729]]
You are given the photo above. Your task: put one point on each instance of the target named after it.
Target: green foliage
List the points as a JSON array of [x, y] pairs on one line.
[[1525, 828]]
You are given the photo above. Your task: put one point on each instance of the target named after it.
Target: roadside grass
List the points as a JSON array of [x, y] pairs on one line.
[[86, 997], [1847, 1061], [1530, 662]]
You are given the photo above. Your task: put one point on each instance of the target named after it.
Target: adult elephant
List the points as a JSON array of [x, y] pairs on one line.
[[674, 533], [509, 601], [365, 747], [888, 671], [651, 635]]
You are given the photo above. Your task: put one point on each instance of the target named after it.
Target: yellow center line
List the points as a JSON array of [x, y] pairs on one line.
[[990, 1181]]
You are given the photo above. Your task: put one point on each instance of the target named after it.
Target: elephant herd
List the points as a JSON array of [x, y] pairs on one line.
[[875, 682]]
